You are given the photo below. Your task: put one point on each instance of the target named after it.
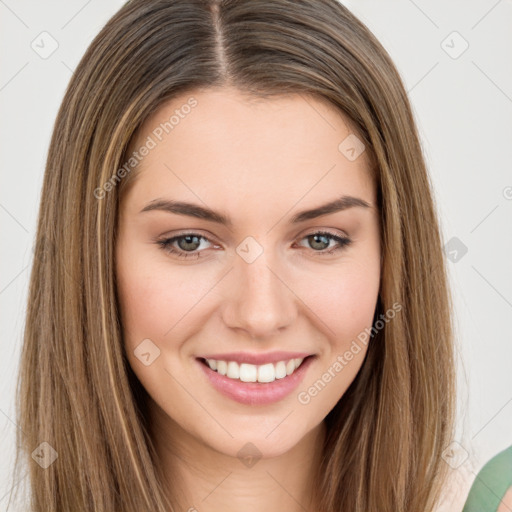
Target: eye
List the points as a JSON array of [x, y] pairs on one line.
[[320, 240], [186, 245]]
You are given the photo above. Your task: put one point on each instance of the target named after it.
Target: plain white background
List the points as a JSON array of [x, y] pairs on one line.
[[455, 60]]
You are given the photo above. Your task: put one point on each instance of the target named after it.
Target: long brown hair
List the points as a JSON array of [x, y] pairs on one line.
[[76, 390]]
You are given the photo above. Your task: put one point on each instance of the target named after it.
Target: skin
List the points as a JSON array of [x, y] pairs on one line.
[[258, 162], [506, 502]]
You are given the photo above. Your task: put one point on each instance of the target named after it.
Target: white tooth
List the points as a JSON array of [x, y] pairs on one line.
[[280, 370], [266, 373], [222, 367], [252, 373], [233, 371], [248, 372]]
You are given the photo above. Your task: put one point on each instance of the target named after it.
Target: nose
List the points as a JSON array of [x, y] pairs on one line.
[[260, 301]]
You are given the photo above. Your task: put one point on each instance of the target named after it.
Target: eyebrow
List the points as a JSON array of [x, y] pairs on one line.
[[200, 212]]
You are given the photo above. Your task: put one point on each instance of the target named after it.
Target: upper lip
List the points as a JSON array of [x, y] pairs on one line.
[[257, 359]]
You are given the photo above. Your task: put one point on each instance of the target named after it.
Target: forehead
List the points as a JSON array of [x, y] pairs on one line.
[[222, 139]]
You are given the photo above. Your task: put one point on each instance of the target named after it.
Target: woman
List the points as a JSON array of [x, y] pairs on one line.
[[239, 298]]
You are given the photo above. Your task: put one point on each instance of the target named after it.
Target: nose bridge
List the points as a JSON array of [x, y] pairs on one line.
[[261, 303]]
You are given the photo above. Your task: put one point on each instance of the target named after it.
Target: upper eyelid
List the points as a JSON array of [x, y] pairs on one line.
[[307, 232], [173, 238]]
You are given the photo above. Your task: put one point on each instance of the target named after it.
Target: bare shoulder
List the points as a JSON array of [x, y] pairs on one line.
[[456, 489]]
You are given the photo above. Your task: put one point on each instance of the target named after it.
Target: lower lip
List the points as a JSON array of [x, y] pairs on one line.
[[256, 393]]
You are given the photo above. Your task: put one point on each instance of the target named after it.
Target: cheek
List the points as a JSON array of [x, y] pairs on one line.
[[344, 300], [154, 298], [345, 309]]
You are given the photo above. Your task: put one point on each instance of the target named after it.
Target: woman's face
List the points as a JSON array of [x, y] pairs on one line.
[[227, 253]]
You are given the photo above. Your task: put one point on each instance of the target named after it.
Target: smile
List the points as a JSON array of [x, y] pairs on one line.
[[255, 379], [252, 373]]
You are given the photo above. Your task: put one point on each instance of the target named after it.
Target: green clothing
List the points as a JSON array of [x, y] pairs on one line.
[[491, 484]]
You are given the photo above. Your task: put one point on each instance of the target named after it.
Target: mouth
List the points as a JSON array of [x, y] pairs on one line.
[[246, 372], [252, 384]]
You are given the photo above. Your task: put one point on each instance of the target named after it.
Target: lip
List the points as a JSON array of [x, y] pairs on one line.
[[257, 359], [255, 393]]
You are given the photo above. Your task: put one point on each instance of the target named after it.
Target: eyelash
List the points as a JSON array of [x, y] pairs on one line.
[[166, 244]]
